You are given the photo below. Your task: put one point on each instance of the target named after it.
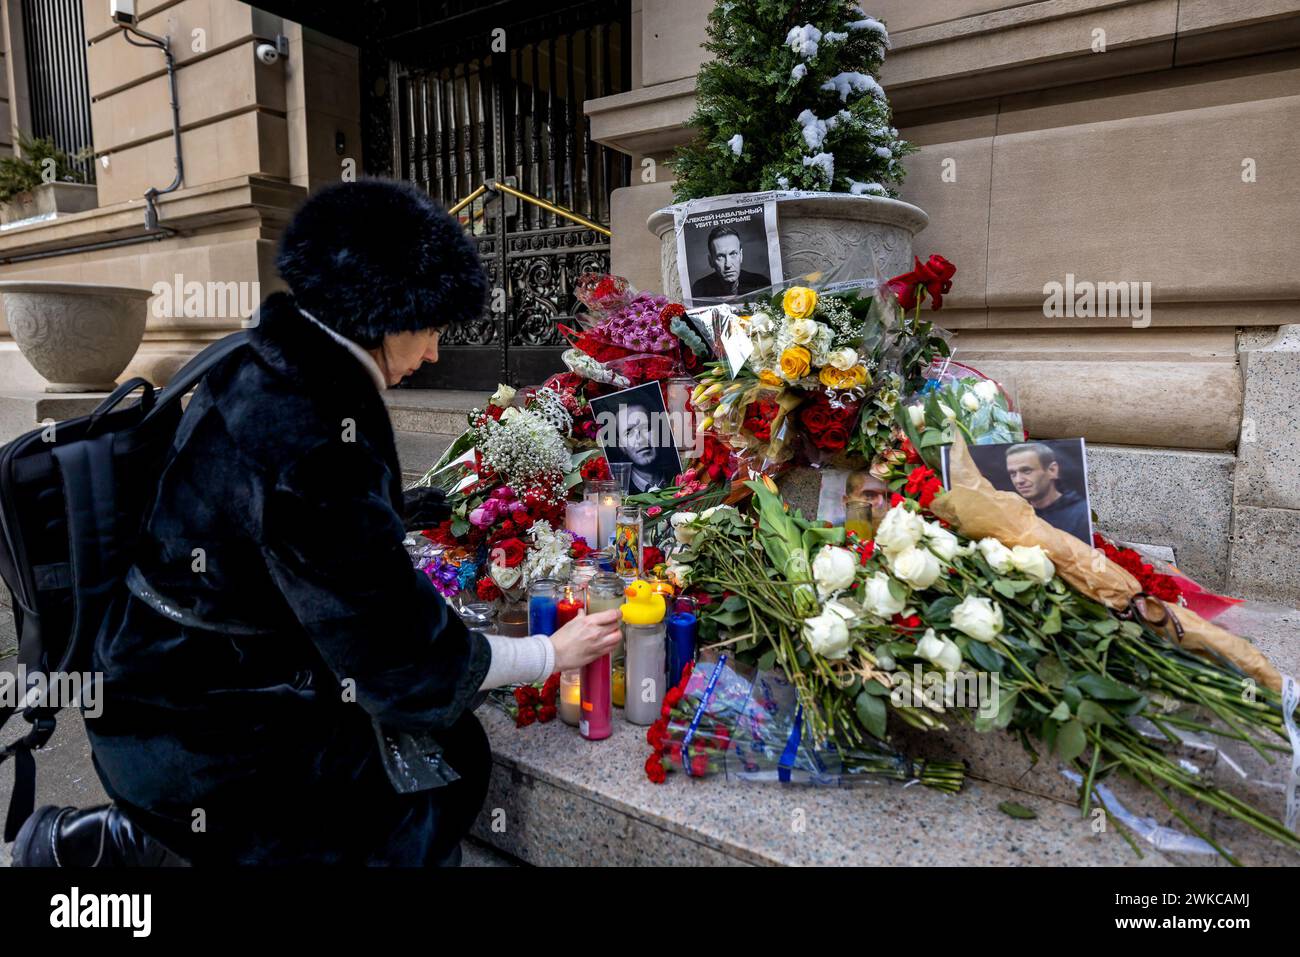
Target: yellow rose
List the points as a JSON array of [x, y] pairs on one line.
[[768, 377], [843, 378], [799, 302], [795, 363]]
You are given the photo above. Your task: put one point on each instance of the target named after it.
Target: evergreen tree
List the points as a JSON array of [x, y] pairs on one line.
[[792, 100]]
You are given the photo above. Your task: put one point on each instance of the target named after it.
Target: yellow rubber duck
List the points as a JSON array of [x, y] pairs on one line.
[[644, 606]]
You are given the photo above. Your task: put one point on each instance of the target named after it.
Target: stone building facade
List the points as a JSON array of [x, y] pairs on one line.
[[1147, 141]]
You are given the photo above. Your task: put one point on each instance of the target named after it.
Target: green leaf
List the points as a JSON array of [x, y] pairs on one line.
[[1070, 741], [876, 689], [1089, 712], [1103, 688], [1012, 809], [939, 611], [1004, 587], [734, 603], [767, 660], [871, 712], [1106, 627], [1061, 712], [984, 656], [1052, 621], [1050, 671]]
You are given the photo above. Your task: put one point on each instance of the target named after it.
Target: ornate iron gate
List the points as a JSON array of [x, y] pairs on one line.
[[515, 117]]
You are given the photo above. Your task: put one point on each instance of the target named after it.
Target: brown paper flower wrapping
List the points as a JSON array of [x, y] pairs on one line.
[[979, 510]]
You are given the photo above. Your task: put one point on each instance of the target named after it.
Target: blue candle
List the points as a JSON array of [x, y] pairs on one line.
[[683, 630], [542, 612]]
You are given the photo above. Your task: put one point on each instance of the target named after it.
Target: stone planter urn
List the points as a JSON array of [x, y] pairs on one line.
[[849, 237], [48, 201], [78, 335]]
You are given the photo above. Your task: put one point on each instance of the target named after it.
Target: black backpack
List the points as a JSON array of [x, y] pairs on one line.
[[73, 498]]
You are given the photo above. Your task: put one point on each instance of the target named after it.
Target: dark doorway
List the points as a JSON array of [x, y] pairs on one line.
[[508, 106]]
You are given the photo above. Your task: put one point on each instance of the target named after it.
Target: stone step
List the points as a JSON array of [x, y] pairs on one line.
[[556, 799], [417, 451], [20, 412], [441, 411]]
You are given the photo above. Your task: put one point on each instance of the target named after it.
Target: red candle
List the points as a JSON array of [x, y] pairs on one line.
[[569, 606], [566, 611]]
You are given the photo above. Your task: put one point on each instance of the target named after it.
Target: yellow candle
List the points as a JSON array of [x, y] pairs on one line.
[[618, 685]]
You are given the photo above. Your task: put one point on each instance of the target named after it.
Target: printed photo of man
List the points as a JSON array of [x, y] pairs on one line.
[[633, 427], [1035, 474], [727, 277]]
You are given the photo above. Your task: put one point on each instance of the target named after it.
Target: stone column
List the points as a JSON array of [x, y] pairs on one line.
[[1266, 493]]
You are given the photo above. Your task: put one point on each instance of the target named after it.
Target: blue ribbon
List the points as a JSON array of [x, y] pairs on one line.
[[699, 713], [791, 747]]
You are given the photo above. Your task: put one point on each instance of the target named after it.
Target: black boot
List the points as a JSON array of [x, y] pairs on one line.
[[87, 837]]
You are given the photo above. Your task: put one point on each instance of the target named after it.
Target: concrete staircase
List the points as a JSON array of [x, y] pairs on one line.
[[426, 421]]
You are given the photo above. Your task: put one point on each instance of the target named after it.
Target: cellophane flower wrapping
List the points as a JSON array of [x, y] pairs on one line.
[[958, 398], [745, 723]]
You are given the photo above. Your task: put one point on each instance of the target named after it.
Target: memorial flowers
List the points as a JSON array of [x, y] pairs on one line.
[[1066, 670]]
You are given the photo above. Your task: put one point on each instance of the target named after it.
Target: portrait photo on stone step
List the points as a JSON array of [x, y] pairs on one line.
[[1050, 474], [727, 249]]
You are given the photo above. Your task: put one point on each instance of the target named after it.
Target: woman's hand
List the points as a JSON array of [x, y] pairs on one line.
[[586, 638]]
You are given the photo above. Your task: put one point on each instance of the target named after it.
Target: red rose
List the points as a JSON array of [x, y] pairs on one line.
[[815, 417], [911, 622], [546, 713], [521, 519], [654, 769], [934, 276], [509, 552], [651, 556], [580, 548], [525, 717], [487, 589], [833, 439]]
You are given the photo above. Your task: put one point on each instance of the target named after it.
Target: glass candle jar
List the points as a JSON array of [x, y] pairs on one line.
[[572, 600], [627, 542], [646, 670], [570, 706], [608, 496], [604, 592], [543, 606]]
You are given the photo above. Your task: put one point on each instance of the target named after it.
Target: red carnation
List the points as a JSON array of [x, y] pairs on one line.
[[525, 717], [700, 765], [546, 713], [487, 589], [654, 769], [651, 556]]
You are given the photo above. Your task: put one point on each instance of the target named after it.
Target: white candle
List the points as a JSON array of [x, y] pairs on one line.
[[570, 706], [582, 518], [607, 517]]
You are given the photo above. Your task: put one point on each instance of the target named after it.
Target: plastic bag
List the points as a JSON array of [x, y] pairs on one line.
[[747, 724]]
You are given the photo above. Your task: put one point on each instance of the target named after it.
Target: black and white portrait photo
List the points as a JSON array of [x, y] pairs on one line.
[[633, 426], [727, 250], [1051, 475]]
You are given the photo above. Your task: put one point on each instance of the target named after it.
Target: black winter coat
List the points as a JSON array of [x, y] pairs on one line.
[[272, 614]]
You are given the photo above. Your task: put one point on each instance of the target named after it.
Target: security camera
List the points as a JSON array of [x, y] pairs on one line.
[[122, 11], [267, 53]]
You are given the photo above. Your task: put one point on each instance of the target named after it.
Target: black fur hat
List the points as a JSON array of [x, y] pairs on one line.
[[379, 256]]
